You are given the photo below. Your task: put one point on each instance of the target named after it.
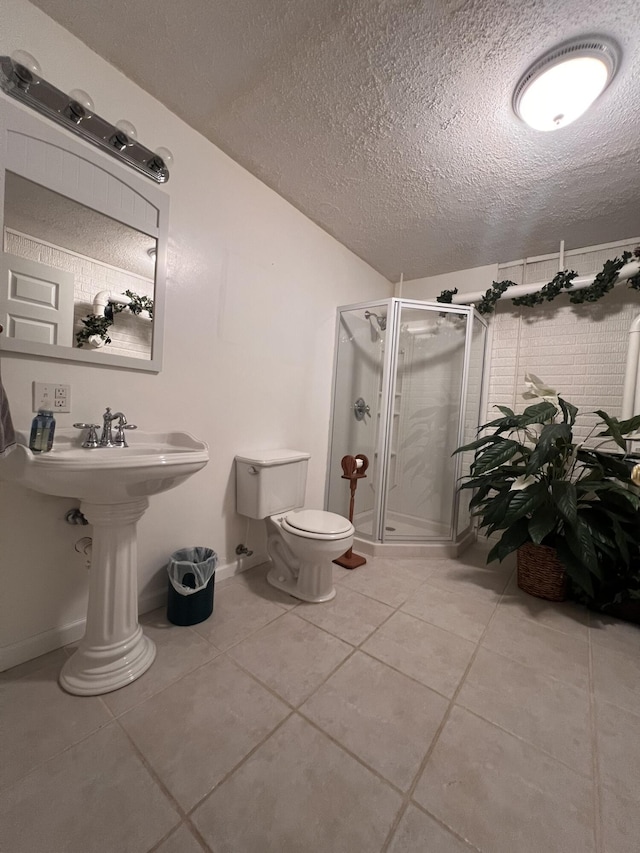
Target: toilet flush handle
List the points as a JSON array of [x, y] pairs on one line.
[[253, 470]]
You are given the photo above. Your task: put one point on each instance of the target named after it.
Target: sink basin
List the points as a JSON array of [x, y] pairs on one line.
[[113, 485], [153, 463]]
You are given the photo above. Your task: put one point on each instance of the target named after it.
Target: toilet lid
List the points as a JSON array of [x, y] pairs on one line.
[[318, 521]]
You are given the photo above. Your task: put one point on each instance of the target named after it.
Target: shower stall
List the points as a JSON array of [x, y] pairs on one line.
[[407, 391]]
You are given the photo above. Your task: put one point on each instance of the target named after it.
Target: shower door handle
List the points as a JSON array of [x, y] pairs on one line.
[[360, 409]]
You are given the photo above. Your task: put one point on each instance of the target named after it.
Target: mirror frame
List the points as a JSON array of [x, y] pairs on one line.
[[81, 172]]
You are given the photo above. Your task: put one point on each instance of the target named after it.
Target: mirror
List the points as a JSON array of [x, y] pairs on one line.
[[82, 264]]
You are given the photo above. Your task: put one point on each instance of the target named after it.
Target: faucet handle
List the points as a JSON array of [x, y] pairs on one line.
[[91, 439], [120, 440]]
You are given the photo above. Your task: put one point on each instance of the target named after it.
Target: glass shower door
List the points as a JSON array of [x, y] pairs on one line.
[[358, 408], [423, 423]]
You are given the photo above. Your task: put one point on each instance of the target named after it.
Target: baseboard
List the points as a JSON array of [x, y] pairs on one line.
[[39, 644], [436, 550]]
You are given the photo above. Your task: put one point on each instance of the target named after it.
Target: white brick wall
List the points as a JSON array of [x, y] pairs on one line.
[[579, 350]]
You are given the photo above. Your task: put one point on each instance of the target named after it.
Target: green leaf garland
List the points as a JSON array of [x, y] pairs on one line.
[[94, 324], [562, 281]]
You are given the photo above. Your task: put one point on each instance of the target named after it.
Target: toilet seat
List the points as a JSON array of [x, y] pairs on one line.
[[317, 524]]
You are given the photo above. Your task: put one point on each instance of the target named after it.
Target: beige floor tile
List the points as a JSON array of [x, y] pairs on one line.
[[340, 573], [615, 634], [419, 833], [96, 797], [238, 611], [385, 581], [55, 658], [565, 616], [292, 656], [255, 580], [178, 651], [180, 841], [422, 651], [558, 655], [549, 714], [618, 743], [620, 823], [502, 794], [461, 613], [298, 793], [467, 575], [200, 727], [38, 720], [379, 714], [616, 677], [350, 615], [418, 567], [477, 556]]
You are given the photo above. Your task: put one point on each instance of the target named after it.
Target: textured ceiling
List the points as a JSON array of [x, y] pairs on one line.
[[389, 122]]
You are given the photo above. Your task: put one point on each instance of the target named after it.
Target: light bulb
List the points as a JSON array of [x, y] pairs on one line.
[[83, 98], [560, 86], [563, 93], [21, 57], [165, 155], [128, 129]]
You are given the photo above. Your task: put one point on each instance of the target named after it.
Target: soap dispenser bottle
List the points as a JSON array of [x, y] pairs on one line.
[[43, 427]]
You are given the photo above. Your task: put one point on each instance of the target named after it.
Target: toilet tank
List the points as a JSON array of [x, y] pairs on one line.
[[270, 481]]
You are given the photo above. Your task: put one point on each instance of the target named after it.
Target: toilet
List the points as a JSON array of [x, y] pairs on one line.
[[301, 543]]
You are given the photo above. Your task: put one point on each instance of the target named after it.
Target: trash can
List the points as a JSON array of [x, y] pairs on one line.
[[191, 582]]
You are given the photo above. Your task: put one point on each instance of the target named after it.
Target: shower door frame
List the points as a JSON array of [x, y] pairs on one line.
[[384, 439]]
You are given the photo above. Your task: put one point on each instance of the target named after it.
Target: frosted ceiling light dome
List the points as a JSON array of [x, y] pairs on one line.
[[562, 84]]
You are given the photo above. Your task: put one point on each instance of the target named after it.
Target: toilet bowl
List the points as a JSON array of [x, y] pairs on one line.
[[302, 546], [301, 543]]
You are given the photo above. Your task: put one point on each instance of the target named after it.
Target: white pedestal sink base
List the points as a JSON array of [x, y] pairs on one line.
[[113, 651], [91, 671]]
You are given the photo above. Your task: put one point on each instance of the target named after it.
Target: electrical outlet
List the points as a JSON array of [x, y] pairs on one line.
[[56, 398]]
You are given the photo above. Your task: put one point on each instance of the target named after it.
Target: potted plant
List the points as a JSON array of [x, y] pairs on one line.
[[570, 502]]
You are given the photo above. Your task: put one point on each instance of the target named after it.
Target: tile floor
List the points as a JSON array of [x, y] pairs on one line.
[[430, 708]]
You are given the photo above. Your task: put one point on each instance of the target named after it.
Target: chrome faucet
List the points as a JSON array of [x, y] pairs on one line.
[[106, 437]]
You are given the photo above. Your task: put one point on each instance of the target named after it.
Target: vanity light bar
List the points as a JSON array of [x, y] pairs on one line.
[[27, 87]]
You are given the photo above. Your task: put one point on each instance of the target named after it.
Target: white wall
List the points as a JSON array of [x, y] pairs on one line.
[[252, 291]]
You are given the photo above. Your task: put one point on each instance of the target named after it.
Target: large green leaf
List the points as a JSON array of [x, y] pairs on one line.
[[539, 413], [495, 509], [524, 501], [611, 466], [510, 541], [613, 428], [480, 442], [543, 521], [506, 411], [574, 567], [547, 447], [495, 455], [565, 499], [629, 425], [580, 541], [569, 411]]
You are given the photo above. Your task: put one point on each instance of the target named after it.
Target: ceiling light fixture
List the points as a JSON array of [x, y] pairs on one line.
[[560, 86]]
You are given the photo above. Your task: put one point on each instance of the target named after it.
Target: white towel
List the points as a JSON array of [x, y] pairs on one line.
[[7, 435]]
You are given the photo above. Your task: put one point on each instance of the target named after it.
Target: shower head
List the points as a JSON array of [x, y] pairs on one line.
[[381, 321]]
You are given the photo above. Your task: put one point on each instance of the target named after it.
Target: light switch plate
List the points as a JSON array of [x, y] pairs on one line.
[[55, 397]]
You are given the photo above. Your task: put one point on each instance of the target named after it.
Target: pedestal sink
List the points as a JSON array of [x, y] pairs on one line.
[[114, 485]]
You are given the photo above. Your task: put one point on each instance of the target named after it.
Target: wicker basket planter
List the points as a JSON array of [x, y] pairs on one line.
[[541, 573]]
